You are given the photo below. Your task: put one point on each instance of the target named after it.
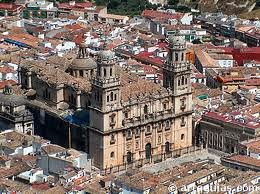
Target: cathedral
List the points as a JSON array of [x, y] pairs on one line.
[[133, 119], [130, 119]]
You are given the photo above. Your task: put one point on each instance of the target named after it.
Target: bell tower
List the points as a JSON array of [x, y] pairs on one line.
[[176, 71], [106, 84], [105, 111], [177, 79], [106, 93]]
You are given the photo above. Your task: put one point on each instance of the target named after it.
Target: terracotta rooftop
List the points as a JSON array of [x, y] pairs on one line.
[[6, 69], [243, 159], [198, 175], [82, 5], [205, 60], [160, 14], [228, 118], [6, 82], [253, 145], [52, 149]]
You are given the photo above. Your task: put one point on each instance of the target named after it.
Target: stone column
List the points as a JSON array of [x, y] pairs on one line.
[[78, 100], [29, 80], [19, 75]]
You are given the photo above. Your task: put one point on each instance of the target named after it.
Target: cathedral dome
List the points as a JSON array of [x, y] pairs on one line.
[[176, 40], [83, 63], [106, 55]]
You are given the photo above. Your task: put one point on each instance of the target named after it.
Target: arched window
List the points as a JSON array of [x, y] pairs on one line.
[[159, 139], [186, 81], [111, 96], [182, 136], [148, 151], [111, 71], [115, 97], [112, 137], [182, 80], [182, 56], [167, 124], [112, 154], [145, 109], [129, 157], [105, 72], [81, 73], [129, 133], [167, 147], [179, 82], [176, 57], [107, 98]]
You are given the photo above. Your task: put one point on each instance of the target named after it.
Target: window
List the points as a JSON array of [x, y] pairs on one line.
[[115, 97], [112, 155], [81, 73], [183, 123], [183, 106], [46, 94], [182, 56], [111, 96], [137, 132], [148, 129], [182, 80], [105, 72], [179, 82], [111, 71], [107, 98], [129, 134], [167, 147], [211, 139], [164, 106], [182, 136], [176, 57], [159, 139], [112, 120], [137, 145], [186, 81], [167, 125], [145, 109], [112, 140], [126, 115]]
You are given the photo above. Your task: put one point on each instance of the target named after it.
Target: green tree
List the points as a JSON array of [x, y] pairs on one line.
[[173, 2]]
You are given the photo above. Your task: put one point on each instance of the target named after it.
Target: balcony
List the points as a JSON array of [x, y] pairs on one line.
[[112, 123], [155, 117], [183, 124], [112, 141], [183, 107]]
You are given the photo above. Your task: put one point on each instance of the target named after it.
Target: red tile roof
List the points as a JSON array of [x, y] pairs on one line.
[[83, 5], [5, 82], [253, 82], [6, 69], [9, 6], [148, 57], [248, 122], [242, 159], [73, 27], [243, 54], [160, 14]]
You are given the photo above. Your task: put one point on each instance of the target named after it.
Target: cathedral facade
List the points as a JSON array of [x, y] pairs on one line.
[[130, 119], [133, 119]]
